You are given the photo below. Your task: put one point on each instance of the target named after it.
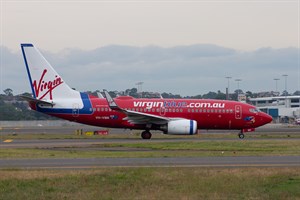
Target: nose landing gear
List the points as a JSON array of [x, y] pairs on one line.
[[241, 135]]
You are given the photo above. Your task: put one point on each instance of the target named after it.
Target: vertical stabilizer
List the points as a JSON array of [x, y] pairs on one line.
[[45, 82]]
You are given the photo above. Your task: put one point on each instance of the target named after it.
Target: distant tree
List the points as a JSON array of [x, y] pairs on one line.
[[221, 95], [165, 95], [210, 95], [285, 93], [133, 92], [8, 92], [249, 95], [239, 91], [26, 94], [199, 96], [170, 96], [297, 93], [112, 94], [127, 91]]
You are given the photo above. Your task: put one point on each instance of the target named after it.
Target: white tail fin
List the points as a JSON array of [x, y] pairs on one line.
[[45, 82]]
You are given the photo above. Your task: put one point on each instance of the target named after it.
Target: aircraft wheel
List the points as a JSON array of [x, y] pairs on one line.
[[241, 135], [146, 135]]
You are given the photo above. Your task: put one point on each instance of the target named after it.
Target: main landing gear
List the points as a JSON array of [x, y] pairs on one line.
[[241, 135], [146, 135]]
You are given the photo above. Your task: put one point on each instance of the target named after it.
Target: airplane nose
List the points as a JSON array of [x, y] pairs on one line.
[[266, 118]]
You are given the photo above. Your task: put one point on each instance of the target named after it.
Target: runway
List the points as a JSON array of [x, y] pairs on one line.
[[267, 129], [54, 143], [89, 163]]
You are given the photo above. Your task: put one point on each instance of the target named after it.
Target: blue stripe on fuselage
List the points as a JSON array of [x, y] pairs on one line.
[[85, 110]]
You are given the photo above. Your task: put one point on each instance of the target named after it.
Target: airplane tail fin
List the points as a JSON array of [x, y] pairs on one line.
[[45, 82]]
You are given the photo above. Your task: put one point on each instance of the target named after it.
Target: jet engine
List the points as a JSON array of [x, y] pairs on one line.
[[180, 127]]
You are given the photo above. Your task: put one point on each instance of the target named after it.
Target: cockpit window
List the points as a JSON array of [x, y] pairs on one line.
[[254, 110]]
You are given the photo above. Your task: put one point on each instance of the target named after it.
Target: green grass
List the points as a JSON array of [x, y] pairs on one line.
[[162, 149], [151, 183]]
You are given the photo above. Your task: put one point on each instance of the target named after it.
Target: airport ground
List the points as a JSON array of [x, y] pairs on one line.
[[52, 162]]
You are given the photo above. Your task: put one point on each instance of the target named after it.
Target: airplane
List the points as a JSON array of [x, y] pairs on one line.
[[51, 95]]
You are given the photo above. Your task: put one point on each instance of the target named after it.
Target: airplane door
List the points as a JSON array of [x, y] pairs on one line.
[[238, 112], [75, 110], [162, 111]]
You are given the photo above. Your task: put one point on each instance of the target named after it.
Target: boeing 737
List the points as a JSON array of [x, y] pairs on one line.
[[51, 95]]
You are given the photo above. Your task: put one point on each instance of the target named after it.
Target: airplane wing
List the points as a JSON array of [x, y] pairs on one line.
[[33, 100], [144, 118], [134, 116]]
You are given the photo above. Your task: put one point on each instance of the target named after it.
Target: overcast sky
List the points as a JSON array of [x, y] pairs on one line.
[[258, 36]]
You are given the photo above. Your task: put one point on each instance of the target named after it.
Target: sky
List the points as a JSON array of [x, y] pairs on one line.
[[255, 41]]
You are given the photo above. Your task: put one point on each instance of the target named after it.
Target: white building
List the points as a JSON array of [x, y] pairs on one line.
[[281, 108]]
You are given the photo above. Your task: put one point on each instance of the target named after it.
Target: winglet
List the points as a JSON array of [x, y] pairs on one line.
[[112, 104]]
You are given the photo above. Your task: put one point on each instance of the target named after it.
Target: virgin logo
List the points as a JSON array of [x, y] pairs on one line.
[[44, 87]]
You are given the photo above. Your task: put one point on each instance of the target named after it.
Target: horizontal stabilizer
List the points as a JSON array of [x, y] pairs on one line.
[[33, 100]]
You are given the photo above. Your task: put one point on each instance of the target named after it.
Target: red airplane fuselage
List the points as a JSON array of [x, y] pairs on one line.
[[209, 114]]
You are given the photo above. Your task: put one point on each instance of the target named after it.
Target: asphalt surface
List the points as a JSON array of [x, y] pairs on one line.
[[272, 128], [90, 163], [52, 143]]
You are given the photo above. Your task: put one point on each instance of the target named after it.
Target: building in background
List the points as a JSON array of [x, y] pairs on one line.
[[283, 109]]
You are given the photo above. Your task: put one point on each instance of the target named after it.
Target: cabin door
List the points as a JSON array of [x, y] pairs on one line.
[[162, 111], [75, 110], [238, 112]]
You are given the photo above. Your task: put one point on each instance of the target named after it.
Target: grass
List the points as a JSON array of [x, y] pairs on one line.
[[186, 183], [162, 149], [151, 183]]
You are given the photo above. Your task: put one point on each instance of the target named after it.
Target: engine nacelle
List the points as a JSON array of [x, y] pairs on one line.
[[181, 127]]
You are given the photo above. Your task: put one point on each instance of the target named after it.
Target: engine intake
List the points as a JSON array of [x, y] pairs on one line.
[[180, 127]]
